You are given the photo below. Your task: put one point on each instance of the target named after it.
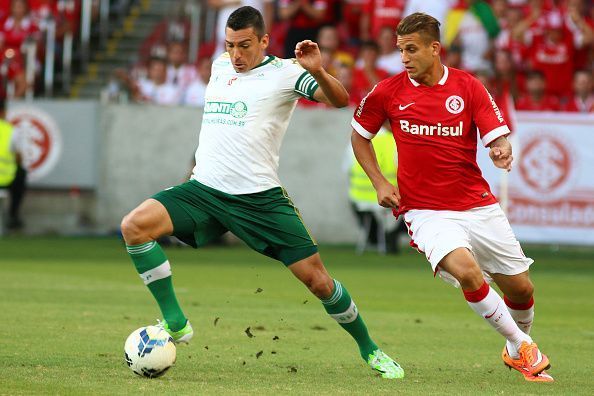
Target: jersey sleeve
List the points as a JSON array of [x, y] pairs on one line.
[[486, 115], [306, 86], [371, 113], [298, 82]]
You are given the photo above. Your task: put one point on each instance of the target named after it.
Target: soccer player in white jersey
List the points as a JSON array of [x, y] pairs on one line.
[[452, 216], [234, 187]]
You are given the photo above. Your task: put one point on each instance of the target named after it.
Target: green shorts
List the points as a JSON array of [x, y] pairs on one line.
[[267, 221]]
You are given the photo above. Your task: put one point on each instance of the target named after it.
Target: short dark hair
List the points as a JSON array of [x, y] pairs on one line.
[[421, 23], [535, 74], [370, 44], [247, 17]]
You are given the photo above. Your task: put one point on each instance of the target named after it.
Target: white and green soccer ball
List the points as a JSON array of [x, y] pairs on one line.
[[149, 351]]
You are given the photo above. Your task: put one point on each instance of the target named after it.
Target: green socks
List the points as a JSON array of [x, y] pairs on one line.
[[341, 307], [154, 269]]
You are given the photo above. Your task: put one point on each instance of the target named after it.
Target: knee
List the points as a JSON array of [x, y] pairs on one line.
[[320, 285], [132, 229], [523, 292], [471, 277]]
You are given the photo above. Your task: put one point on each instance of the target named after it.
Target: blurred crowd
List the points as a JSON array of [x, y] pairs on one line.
[[24, 23], [536, 54]]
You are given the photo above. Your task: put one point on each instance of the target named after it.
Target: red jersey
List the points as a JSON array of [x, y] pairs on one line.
[[435, 129], [301, 20], [14, 35], [576, 104], [555, 60], [384, 13], [546, 103]]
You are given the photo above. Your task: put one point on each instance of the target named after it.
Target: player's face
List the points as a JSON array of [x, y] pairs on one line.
[[418, 56], [245, 48]]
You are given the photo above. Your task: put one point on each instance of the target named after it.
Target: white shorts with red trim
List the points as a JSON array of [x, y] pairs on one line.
[[484, 231]]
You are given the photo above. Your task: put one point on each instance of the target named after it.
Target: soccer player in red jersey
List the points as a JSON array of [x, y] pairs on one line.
[[453, 218]]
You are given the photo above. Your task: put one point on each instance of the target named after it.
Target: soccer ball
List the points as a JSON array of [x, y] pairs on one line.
[[149, 351]]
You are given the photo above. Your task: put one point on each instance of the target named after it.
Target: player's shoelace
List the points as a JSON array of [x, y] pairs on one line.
[[526, 353]]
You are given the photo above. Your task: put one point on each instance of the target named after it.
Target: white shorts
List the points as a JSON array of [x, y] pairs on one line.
[[485, 231]]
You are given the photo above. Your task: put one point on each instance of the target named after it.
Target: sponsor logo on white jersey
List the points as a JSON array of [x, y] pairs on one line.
[[237, 109], [454, 104], [432, 130]]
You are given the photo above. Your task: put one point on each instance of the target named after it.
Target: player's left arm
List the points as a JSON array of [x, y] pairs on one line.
[[492, 126], [330, 91], [500, 152]]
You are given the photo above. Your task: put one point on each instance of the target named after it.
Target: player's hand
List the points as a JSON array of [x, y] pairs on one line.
[[502, 157], [308, 55], [388, 196]]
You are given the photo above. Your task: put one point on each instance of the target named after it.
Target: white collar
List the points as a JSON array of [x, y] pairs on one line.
[[440, 82]]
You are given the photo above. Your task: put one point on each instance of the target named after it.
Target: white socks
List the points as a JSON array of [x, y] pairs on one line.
[[488, 304], [523, 315]]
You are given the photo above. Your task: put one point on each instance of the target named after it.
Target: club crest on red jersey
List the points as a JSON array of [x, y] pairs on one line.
[[454, 104]]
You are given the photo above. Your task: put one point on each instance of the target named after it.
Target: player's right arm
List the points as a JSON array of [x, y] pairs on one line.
[[388, 194], [367, 121]]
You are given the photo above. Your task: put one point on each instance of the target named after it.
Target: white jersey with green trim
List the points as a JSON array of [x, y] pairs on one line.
[[245, 119]]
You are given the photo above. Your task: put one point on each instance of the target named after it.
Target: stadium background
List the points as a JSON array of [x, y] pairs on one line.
[[102, 132]]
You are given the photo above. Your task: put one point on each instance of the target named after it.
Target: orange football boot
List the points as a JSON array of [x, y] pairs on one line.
[[533, 360], [518, 364], [543, 376]]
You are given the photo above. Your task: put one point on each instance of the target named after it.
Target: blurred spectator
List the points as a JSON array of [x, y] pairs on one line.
[[7, 150], [583, 99], [378, 14], [389, 58], [304, 19], [329, 40], [66, 14], [352, 12], [532, 23], [226, 7], [376, 223], [437, 9], [344, 74], [368, 73], [472, 25], [581, 26], [12, 73], [506, 81], [4, 9], [19, 26], [179, 72], [499, 8], [13, 175], [153, 88], [194, 95], [536, 98], [453, 57], [552, 53], [507, 41]]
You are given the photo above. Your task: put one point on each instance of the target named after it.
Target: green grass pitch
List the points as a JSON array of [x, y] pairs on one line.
[[68, 304]]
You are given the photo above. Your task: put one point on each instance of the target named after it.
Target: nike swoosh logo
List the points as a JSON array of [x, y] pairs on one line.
[[400, 107], [489, 316], [538, 360]]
